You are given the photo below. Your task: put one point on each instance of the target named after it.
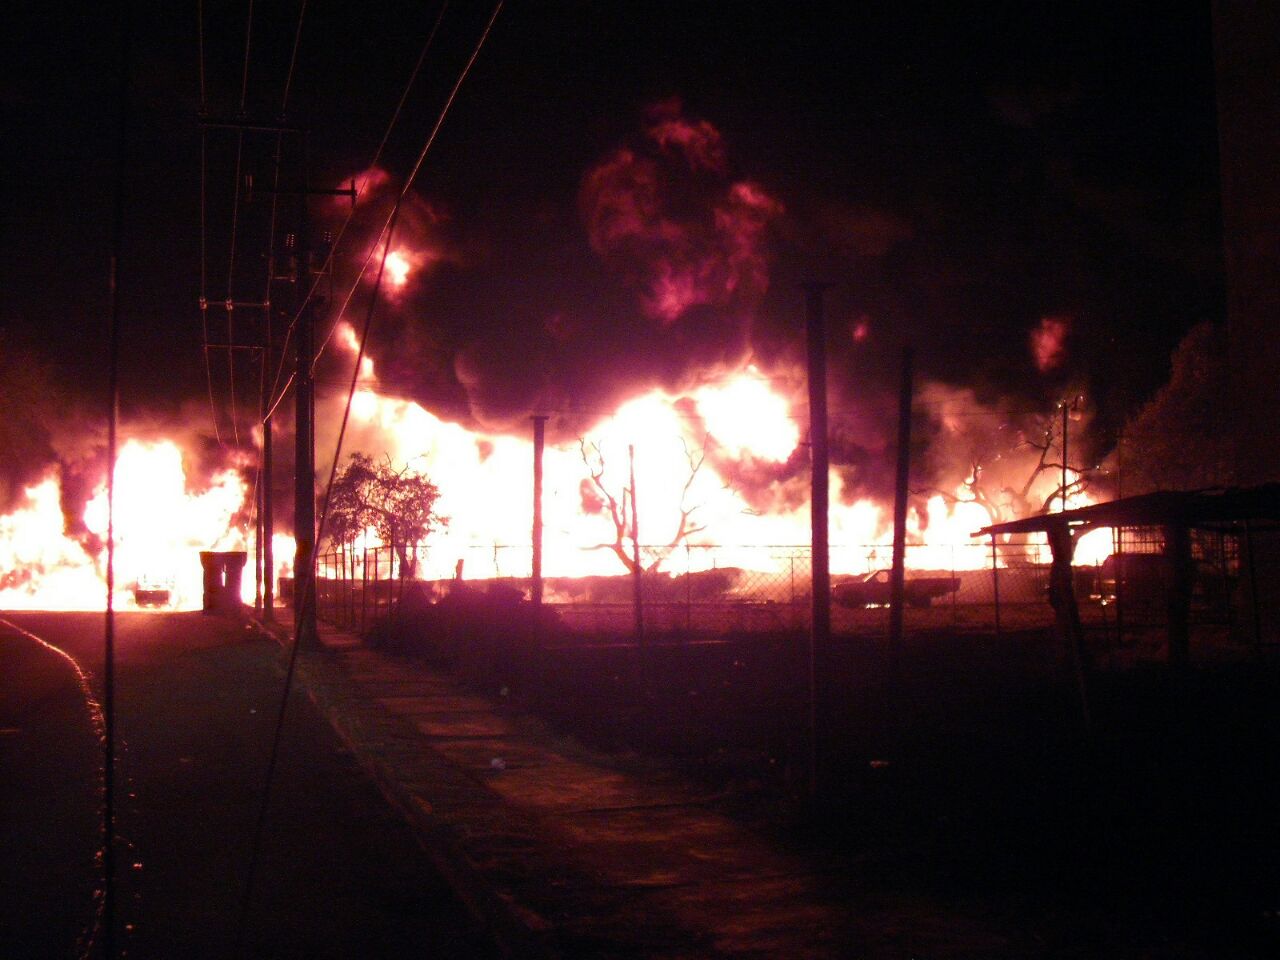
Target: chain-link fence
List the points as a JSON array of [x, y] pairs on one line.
[[713, 590], [354, 588], [696, 590]]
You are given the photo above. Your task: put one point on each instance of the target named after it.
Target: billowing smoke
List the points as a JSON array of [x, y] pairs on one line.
[[653, 273], [657, 273], [675, 226], [1049, 343], [55, 437]]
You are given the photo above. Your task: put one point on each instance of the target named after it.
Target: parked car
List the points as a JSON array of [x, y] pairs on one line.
[[873, 590]]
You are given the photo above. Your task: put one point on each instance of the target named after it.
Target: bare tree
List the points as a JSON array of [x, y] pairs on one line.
[[621, 509], [1005, 469]]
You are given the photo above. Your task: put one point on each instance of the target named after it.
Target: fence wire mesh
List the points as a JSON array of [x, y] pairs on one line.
[[715, 590], [707, 589]]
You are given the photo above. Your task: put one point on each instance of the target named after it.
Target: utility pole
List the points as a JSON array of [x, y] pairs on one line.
[[820, 459], [1068, 405], [539, 442], [637, 572], [266, 490], [304, 454], [897, 589], [1065, 412], [300, 247], [300, 273]]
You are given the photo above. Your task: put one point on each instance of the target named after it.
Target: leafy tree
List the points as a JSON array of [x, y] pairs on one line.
[[398, 505], [1180, 439]]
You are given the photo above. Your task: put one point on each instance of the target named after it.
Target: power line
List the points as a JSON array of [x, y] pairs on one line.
[[377, 156], [235, 224], [304, 596], [278, 392], [389, 231]]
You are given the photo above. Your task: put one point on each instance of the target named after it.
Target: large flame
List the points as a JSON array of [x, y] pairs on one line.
[[162, 522], [684, 451]]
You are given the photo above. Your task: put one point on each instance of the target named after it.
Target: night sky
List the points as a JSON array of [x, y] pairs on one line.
[[956, 175]]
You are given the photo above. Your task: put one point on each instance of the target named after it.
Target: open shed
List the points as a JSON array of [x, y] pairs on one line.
[[1178, 555]]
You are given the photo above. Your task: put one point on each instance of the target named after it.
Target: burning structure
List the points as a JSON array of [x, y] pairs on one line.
[[681, 424]]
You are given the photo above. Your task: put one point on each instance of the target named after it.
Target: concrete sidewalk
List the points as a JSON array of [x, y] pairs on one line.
[[567, 852]]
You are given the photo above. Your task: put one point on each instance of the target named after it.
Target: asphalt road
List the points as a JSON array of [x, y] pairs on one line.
[[339, 874]]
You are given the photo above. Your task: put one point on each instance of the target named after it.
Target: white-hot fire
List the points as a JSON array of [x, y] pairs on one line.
[[161, 522], [164, 517], [398, 267]]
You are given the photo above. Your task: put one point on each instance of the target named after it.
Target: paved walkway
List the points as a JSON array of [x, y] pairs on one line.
[[566, 852]]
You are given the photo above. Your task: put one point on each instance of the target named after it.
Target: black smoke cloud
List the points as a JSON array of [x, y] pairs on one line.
[[654, 272]]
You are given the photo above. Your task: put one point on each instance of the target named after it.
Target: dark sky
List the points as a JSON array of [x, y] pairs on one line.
[[957, 175]]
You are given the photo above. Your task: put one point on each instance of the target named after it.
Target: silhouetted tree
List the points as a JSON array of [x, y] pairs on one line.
[[1182, 438], [398, 505]]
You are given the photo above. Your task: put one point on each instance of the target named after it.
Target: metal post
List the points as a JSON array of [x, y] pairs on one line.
[[1253, 587], [1065, 412], [795, 616], [688, 589], [637, 573], [995, 584], [1177, 548], [364, 587]]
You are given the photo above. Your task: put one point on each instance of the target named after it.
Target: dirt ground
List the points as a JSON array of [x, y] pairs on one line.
[[962, 770]]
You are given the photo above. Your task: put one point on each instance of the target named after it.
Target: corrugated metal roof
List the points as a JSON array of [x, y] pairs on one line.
[[1162, 507]]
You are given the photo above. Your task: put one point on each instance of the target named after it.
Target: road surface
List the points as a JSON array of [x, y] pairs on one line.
[[197, 698]]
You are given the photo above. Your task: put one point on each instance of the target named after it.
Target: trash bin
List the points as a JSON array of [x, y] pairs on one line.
[[222, 573]]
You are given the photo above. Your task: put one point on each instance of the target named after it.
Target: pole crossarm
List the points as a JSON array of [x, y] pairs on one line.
[[247, 123], [227, 304]]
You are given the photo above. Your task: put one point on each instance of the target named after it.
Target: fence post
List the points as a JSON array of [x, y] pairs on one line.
[[364, 589], [795, 614], [1253, 588], [955, 578], [1117, 568], [995, 583], [688, 590]]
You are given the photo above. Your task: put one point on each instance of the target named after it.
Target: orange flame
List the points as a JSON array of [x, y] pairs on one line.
[[686, 446]]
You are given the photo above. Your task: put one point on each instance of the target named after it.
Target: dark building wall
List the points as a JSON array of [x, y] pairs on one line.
[[1247, 60]]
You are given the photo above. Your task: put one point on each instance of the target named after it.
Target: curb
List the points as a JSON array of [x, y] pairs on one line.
[[516, 933]]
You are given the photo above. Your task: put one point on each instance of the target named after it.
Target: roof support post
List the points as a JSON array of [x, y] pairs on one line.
[[1177, 549], [1062, 597]]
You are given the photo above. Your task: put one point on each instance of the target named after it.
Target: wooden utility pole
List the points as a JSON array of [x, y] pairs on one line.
[[897, 588], [304, 456], [539, 443], [820, 601], [267, 526], [300, 276]]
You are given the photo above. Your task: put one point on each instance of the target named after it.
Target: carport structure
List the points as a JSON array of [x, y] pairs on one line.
[[1236, 532]]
